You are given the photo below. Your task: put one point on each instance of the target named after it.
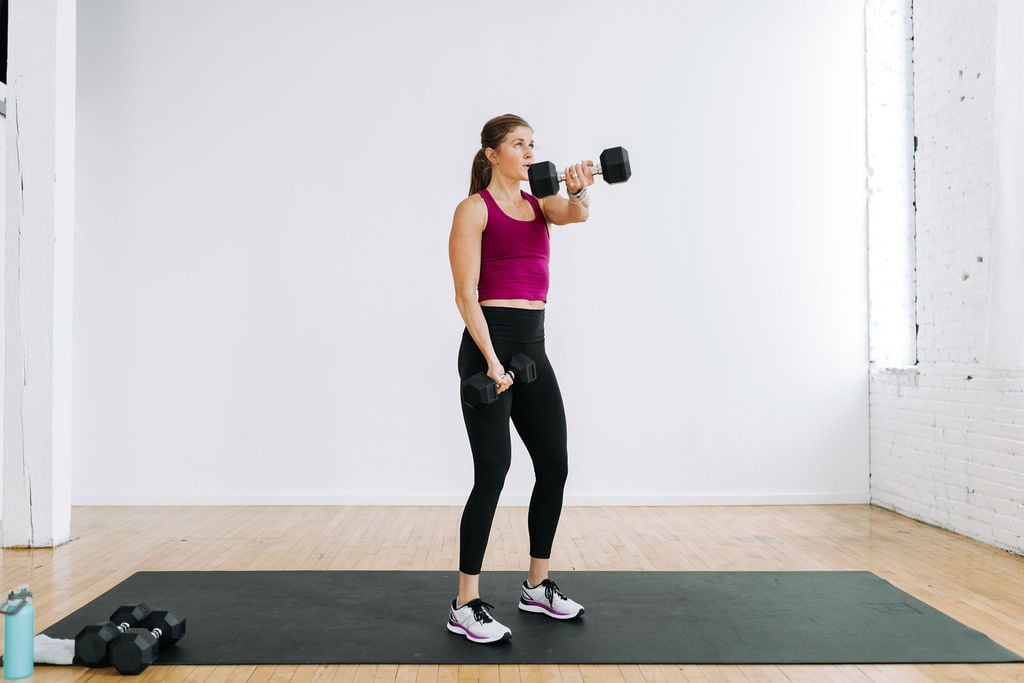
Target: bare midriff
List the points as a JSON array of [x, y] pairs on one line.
[[514, 303]]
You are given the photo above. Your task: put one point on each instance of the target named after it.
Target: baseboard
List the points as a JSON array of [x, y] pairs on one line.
[[384, 499]]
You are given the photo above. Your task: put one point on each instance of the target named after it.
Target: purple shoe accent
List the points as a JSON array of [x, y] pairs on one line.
[[546, 608], [465, 631], [453, 624]]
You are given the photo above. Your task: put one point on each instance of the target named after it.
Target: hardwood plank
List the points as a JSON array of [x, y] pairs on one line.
[[976, 584]]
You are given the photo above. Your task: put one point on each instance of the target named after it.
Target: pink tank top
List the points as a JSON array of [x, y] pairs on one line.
[[514, 254]]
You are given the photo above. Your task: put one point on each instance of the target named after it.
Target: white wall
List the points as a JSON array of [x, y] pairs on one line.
[[947, 436], [265, 312], [3, 265]]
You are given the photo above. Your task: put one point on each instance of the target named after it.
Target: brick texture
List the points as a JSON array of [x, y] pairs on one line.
[[947, 436]]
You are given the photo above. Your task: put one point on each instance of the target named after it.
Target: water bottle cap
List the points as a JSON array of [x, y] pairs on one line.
[[16, 599]]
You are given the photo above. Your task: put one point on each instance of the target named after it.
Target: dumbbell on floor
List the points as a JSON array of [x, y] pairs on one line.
[[94, 643], [135, 649], [614, 166], [480, 390]]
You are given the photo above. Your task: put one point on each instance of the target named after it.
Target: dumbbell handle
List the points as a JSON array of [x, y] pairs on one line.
[[594, 168], [124, 626]]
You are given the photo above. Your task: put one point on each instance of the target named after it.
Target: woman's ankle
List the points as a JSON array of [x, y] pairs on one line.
[[460, 602]]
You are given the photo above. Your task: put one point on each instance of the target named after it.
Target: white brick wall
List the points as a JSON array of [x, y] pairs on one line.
[[947, 436]]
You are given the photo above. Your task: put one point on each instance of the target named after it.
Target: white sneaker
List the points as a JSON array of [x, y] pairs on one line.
[[476, 623], [547, 599]]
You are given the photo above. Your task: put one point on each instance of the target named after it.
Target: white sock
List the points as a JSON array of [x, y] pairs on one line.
[[52, 651]]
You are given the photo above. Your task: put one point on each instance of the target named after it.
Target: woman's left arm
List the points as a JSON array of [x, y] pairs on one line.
[[561, 211]]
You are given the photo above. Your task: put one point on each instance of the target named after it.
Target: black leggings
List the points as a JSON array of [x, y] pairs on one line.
[[536, 411]]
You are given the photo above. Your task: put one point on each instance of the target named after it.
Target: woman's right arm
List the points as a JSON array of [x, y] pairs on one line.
[[464, 254]]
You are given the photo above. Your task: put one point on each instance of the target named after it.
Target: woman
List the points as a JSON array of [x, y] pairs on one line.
[[499, 250]]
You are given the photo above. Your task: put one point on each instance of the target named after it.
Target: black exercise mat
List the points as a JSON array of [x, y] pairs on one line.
[[398, 617]]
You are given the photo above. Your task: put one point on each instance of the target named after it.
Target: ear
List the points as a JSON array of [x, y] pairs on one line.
[[491, 154]]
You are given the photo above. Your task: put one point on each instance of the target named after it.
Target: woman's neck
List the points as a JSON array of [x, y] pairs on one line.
[[505, 189]]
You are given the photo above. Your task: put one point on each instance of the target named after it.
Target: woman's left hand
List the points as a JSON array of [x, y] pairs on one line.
[[578, 176]]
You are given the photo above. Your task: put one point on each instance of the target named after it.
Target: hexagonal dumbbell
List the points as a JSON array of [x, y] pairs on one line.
[[614, 166], [95, 644], [480, 390], [92, 643], [135, 649]]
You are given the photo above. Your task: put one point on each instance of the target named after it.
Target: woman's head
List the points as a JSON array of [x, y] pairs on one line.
[[493, 134]]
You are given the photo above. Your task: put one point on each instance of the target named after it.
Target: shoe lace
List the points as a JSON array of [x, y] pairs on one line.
[[551, 590], [480, 608]]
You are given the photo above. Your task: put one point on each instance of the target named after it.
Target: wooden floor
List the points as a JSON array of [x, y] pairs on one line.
[[978, 585]]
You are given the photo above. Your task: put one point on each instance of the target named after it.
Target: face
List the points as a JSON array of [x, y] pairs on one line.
[[514, 155]]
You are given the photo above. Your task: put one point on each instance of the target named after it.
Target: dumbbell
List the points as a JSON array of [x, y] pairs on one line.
[[480, 390], [135, 649], [614, 166], [94, 644]]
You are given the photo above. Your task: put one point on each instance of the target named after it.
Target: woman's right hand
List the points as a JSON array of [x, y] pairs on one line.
[[497, 373]]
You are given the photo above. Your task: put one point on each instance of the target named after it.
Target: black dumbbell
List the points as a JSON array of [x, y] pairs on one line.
[[136, 649], [480, 390], [614, 166], [94, 643]]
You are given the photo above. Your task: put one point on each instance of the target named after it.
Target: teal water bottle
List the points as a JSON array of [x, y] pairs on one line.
[[19, 631]]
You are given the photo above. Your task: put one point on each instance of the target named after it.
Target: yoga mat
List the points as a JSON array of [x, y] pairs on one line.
[[398, 617]]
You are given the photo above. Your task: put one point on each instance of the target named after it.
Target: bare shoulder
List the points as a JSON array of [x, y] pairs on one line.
[[471, 212]]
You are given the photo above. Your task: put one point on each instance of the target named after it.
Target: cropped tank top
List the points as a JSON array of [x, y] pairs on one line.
[[514, 254]]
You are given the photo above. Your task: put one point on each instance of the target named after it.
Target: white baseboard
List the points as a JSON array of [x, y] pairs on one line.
[[384, 499]]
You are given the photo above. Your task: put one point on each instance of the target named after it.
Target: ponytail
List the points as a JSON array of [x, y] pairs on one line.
[[492, 135], [480, 174]]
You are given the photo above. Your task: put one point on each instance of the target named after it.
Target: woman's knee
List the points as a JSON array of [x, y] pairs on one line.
[[554, 472], [490, 480]]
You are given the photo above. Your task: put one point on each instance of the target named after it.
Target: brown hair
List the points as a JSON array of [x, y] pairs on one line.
[[492, 135]]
